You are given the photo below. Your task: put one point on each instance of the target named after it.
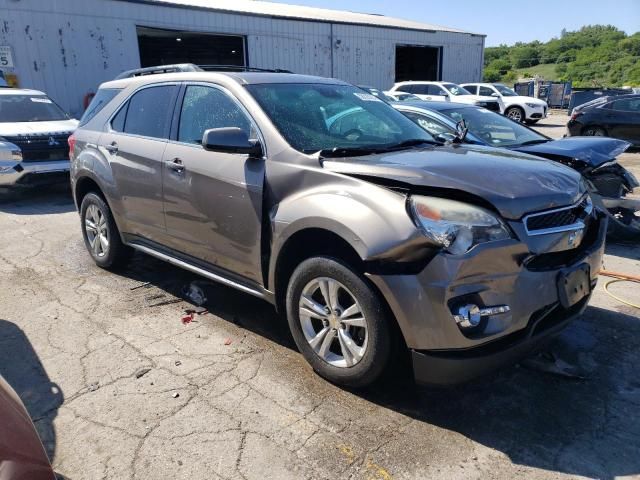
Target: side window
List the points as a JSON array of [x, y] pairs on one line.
[[627, 105], [407, 88], [486, 91], [207, 107], [117, 123], [432, 126], [435, 90], [148, 112], [99, 101], [472, 88], [421, 89]]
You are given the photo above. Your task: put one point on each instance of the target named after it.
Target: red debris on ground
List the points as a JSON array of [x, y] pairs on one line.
[[227, 341], [188, 318]]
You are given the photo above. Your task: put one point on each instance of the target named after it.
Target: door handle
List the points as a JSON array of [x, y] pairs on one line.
[[176, 165], [112, 148]]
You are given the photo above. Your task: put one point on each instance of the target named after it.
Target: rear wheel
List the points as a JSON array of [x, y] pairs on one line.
[[100, 233], [338, 322], [594, 132], [515, 113]]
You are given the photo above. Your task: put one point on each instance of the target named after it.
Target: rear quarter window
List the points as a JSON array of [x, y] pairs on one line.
[[100, 100]]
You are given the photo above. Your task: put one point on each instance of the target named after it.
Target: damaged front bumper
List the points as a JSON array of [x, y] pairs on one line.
[[524, 276]]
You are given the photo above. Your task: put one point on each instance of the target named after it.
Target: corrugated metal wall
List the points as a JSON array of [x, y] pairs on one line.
[[68, 47]]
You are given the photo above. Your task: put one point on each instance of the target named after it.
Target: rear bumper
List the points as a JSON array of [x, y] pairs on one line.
[[29, 174]]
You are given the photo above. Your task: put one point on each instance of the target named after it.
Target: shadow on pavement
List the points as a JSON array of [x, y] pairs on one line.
[[22, 369], [578, 427], [41, 201]]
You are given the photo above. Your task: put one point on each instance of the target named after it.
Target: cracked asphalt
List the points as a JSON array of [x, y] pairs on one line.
[[119, 388]]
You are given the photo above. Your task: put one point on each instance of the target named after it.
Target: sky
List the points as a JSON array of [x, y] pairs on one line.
[[503, 21]]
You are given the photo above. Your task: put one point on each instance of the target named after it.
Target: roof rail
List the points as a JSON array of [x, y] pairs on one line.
[[180, 67], [240, 68]]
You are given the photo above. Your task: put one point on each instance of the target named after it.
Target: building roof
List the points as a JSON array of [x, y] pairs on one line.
[[297, 12]]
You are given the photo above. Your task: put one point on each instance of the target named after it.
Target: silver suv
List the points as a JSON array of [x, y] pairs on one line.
[[325, 201]]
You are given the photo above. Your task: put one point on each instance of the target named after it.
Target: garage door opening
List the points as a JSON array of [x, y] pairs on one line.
[[417, 63], [165, 47]]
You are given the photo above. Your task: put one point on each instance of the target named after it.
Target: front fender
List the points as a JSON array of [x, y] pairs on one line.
[[372, 219]]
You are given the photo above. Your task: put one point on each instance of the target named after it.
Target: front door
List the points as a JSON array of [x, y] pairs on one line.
[[213, 200], [623, 118], [134, 145]]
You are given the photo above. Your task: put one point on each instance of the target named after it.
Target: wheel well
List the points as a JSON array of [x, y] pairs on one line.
[[517, 107], [85, 185], [595, 127], [305, 244]]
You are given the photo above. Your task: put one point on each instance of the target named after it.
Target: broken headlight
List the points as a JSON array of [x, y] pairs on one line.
[[456, 226]]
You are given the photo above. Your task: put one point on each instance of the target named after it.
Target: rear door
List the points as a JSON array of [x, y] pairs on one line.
[[134, 143], [623, 119], [213, 200], [436, 93]]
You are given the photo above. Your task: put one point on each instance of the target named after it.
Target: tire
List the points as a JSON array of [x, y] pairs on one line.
[[531, 121], [594, 132], [366, 329], [515, 113], [110, 253]]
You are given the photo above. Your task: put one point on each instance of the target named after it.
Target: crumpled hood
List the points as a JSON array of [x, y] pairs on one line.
[[513, 183], [593, 151], [35, 128]]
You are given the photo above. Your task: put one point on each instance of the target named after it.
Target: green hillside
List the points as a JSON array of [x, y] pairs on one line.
[[594, 56]]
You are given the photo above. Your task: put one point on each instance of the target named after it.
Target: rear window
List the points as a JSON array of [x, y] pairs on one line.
[[29, 108], [101, 99]]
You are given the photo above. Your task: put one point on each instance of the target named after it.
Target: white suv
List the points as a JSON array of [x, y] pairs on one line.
[[446, 92], [517, 107], [33, 139]]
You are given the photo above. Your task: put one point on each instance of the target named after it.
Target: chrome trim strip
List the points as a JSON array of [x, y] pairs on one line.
[[199, 271], [564, 228]]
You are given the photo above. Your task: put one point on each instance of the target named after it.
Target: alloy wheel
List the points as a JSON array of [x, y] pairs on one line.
[[515, 114], [95, 224], [333, 322]]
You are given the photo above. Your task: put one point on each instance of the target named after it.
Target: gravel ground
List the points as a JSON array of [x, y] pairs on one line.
[[119, 388]]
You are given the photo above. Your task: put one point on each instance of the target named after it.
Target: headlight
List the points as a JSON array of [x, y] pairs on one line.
[[533, 105], [456, 226]]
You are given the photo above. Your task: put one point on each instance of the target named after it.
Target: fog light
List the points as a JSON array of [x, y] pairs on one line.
[[470, 315]]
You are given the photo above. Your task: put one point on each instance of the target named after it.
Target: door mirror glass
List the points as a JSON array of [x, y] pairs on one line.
[[495, 94], [446, 137], [230, 140]]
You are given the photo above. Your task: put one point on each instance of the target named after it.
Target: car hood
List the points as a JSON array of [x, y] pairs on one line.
[[513, 183], [36, 128], [593, 151]]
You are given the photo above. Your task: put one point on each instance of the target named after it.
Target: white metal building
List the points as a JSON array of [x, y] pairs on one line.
[[68, 47]]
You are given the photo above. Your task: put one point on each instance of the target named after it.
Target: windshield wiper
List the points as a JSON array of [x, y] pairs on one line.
[[533, 142], [414, 142], [349, 151]]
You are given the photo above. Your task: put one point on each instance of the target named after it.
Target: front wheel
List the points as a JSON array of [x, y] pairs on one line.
[[338, 322], [515, 113]]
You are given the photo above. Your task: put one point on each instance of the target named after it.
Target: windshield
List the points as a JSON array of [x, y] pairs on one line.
[[456, 90], [494, 129], [321, 117], [504, 90], [29, 108]]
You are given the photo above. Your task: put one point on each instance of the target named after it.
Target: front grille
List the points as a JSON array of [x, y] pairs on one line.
[[556, 219], [40, 148]]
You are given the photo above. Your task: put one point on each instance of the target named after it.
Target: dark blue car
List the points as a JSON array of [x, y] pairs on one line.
[[611, 184]]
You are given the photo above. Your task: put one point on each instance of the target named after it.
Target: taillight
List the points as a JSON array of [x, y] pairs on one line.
[[72, 145], [575, 115]]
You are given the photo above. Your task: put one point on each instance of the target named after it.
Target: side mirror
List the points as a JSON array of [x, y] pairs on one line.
[[461, 131], [230, 140], [495, 94]]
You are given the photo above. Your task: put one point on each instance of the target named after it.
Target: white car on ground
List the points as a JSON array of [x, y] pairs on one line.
[[446, 92], [33, 139], [517, 107]]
